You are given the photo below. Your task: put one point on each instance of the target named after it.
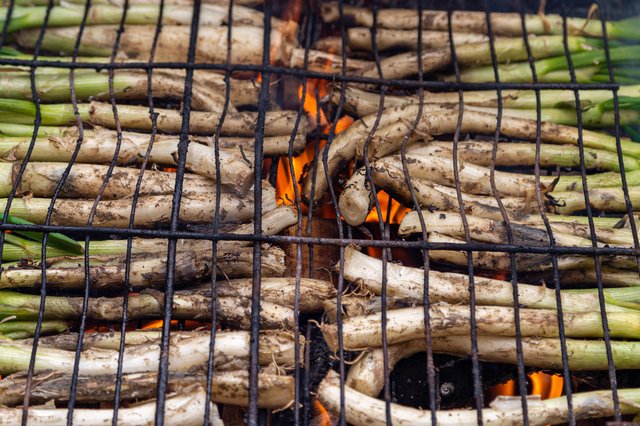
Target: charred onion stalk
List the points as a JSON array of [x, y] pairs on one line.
[[500, 261], [609, 276], [172, 44], [361, 102], [438, 120], [449, 222], [98, 146], [127, 85], [242, 92], [366, 374], [228, 387], [588, 65], [70, 15], [86, 181], [133, 117], [187, 351], [406, 283], [507, 50], [518, 208], [433, 164], [508, 24], [147, 270], [187, 304], [12, 329], [476, 180], [150, 210], [273, 223], [595, 117], [279, 342], [515, 154], [360, 38], [361, 409], [184, 407], [471, 54], [325, 62], [408, 324], [121, 3], [396, 123]]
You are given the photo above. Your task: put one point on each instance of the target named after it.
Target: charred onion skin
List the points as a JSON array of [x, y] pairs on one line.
[[361, 409], [186, 407]]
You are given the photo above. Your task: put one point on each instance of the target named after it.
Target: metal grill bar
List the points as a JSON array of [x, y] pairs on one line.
[[522, 380], [127, 287], [549, 230], [592, 230], [257, 218], [43, 291], [475, 364], [163, 372]]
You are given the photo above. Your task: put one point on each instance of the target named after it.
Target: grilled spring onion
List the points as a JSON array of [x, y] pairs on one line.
[[233, 311], [473, 54], [132, 117], [18, 248], [554, 69], [361, 102], [70, 15], [99, 146], [395, 124], [408, 324], [361, 409], [186, 407], [126, 84], [172, 44], [13, 329], [228, 387], [475, 22], [150, 210], [187, 351], [407, 283], [107, 273]]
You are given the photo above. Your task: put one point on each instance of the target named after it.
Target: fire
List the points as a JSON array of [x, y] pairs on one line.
[[155, 324], [546, 385], [310, 101], [508, 389], [322, 417], [396, 212], [188, 325], [285, 182]]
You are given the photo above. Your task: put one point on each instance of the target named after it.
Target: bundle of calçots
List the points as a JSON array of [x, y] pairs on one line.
[[501, 167], [105, 144]]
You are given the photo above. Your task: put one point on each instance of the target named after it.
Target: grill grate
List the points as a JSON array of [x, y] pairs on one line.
[[302, 406]]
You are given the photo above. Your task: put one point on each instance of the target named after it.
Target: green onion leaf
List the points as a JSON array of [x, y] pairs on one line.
[[55, 239]]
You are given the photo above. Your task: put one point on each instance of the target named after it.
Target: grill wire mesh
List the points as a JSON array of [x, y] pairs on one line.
[[309, 23]]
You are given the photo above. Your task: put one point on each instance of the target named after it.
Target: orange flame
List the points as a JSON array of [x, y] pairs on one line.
[[396, 212], [322, 418], [546, 385], [316, 89], [188, 325], [154, 324], [284, 183], [508, 388]]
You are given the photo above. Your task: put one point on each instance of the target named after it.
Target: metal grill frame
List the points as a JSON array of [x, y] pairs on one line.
[[302, 238]]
